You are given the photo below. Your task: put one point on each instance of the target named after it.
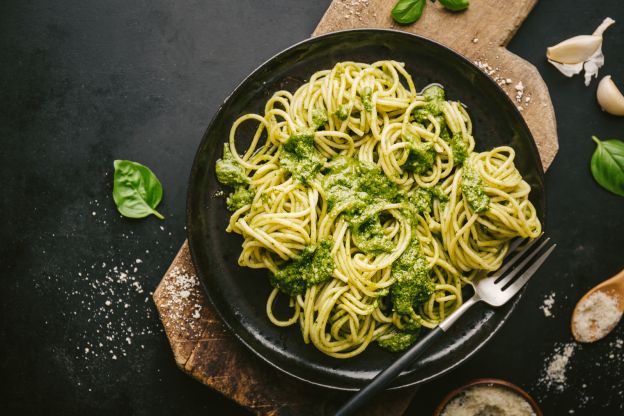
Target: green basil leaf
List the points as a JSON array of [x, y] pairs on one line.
[[607, 165], [407, 11], [136, 190], [455, 5]]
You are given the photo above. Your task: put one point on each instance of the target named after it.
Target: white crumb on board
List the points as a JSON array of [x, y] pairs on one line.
[[516, 92], [181, 294]]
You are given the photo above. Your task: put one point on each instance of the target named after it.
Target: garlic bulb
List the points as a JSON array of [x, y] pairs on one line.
[[583, 52], [609, 97]]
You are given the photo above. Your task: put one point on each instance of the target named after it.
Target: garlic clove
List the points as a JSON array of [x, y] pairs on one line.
[[574, 50], [609, 97], [603, 26]]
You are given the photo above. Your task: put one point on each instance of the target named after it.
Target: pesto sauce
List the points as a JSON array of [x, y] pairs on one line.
[[459, 147], [434, 92], [239, 198], [313, 266], [319, 118], [472, 189], [229, 171], [434, 96], [300, 157], [366, 97], [369, 236], [419, 200], [397, 340], [341, 113], [356, 190], [421, 156], [413, 284]]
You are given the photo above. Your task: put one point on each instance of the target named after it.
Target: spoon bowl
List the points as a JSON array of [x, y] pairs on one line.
[[613, 288]]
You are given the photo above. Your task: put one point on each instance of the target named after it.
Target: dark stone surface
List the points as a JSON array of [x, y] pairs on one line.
[[83, 83]]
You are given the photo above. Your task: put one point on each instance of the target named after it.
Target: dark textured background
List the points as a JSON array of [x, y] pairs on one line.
[[85, 82]]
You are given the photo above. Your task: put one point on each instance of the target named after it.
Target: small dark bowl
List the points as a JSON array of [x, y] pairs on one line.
[[488, 382]]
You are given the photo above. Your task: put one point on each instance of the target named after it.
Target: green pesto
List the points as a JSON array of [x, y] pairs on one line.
[[367, 96], [459, 146], [421, 156], [369, 236], [434, 97], [419, 200], [397, 341], [430, 108], [239, 198], [352, 185], [229, 171], [436, 192], [445, 133], [319, 118], [356, 190], [472, 189], [383, 292], [411, 323], [342, 113], [434, 93], [413, 284], [300, 157], [313, 266]]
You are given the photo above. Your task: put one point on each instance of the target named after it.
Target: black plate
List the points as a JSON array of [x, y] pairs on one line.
[[239, 294]]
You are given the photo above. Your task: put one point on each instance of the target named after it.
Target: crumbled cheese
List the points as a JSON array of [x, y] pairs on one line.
[[519, 91], [596, 316]]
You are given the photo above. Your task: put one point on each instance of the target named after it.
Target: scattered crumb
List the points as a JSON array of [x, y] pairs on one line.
[[547, 305], [475, 40], [519, 91], [554, 374], [181, 294]]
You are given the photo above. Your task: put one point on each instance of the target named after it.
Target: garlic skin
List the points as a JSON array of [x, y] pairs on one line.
[[609, 97], [583, 52]]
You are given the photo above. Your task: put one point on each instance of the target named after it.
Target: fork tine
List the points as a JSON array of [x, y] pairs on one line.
[[509, 277], [517, 285], [515, 258]]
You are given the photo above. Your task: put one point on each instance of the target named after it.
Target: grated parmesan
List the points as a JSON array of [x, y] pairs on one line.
[[596, 316]]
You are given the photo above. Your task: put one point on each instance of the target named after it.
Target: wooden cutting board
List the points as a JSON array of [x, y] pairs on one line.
[[201, 344]]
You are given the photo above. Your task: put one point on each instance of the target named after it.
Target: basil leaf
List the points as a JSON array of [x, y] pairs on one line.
[[407, 11], [136, 190], [607, 165], [455, 5]]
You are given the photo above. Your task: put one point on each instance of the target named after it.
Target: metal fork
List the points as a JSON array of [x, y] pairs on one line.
[[495, 290]]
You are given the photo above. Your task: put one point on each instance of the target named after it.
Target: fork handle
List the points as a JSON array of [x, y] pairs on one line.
[[384, 378]]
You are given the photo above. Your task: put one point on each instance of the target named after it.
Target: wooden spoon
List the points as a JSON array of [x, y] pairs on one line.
[[590, 325]]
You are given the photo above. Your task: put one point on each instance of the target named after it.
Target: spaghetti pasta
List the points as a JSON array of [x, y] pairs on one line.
[[367, 203]]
